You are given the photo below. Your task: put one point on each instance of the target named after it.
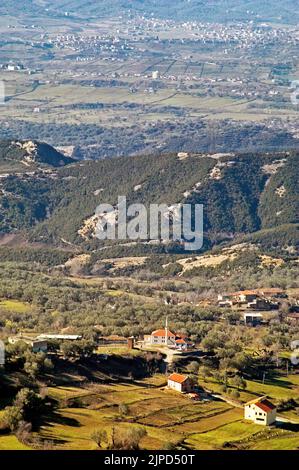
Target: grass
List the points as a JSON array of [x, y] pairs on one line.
[[277, 388], [11, 443], [231, 432], [167, 416], [208, 423], [15, 306], [287, 442], [63, 393], [120, 350]]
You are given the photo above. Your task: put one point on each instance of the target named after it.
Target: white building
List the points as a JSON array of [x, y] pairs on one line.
[[180, 383], [253, 318], [260, 411], [37, 345], [161, 337], [60, 337]]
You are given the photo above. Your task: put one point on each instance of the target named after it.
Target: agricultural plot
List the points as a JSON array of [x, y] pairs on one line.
[[231, 432], [168, 417], [15, 306]]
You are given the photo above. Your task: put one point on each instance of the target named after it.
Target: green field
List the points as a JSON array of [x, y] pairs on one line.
[[11, 443], [15, 306], [168, 417], [280, 387]]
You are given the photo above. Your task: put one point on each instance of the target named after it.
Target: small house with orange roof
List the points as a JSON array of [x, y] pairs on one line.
[[180, 383], [260, 411]]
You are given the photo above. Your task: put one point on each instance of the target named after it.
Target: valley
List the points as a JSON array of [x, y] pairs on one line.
[[118, 330], [148, 81]]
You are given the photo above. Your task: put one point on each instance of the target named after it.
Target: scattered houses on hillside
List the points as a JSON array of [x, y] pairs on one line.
[[260, 411], [255, 299]]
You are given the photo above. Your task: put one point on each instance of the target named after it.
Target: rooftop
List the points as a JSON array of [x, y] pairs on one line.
[[179, 378], [263, 403], [162, 333]]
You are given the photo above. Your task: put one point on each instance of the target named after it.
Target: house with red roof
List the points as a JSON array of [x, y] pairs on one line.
[[162, 336], [180, 383], [260, 411], [183, 344], [166, 337]]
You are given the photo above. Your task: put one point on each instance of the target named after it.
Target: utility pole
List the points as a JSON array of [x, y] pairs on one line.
[[166, 331], [264, 376]]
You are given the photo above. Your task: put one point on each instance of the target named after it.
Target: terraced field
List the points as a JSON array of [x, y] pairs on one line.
[[168, 417]]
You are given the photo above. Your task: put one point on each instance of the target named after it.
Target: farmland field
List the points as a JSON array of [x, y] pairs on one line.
[[168, 418], [116, 76]]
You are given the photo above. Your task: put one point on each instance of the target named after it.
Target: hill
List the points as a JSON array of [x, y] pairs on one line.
[[241, 193], [204, 10], [29, 154]]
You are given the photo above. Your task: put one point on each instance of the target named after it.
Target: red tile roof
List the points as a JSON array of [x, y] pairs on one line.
[[271, 290], [162, 333], [245, 292], [179, 378], [265, 405]]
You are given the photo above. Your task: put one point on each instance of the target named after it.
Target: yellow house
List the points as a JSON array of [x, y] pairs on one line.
[[260, 411]]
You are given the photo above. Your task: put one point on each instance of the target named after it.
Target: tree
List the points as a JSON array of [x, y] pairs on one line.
[[129, 438], [23, 433], [123, 409], [12, 416], [205, 372], [193, 367], [29, 402], [99, 437], [235, 394], [32, 369]]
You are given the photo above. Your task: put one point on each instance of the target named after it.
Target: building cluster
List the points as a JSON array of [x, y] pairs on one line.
[[257, 299], [165, 337], [12, 67], [92, 46]]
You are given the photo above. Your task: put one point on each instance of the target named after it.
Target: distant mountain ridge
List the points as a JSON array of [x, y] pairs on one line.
[[242, 194], [204, 10]]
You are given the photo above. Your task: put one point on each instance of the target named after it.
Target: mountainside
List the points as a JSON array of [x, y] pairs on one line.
[[29, 154], [242, 194], [205, 10]]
